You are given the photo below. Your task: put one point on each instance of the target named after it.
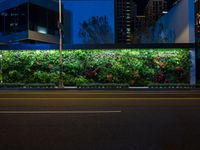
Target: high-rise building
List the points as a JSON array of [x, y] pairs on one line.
[[140, 22], [153, 10], [139, 28], [29, 21], [125, 15]]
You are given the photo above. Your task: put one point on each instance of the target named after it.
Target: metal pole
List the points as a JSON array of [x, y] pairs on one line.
[[61, 85]]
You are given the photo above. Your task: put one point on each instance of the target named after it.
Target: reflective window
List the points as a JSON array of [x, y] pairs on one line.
[[14, 20], [42, 20]]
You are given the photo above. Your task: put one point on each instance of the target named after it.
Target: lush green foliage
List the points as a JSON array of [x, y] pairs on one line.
[[132, 66], [0, 67]]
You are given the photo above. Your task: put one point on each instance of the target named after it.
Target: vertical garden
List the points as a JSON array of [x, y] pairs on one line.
[[136, 67]]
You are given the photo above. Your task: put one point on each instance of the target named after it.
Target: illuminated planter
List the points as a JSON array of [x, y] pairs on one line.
[[1, 79], [136, 67]]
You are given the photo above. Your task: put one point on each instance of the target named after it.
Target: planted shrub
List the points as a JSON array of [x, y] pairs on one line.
[[135, 67]]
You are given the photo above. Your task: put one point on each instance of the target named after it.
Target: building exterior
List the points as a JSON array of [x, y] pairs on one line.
[[197, 20], [140, 22], [154, 9], [197, 35], [28, 21], [139, 28], [125, 17]]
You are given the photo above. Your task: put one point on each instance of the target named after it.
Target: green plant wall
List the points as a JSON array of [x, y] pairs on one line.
[[137, 67], [1, 68]]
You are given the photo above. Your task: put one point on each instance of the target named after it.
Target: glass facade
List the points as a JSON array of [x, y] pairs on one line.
[[28, 16], [197, 35], [42, 20], [14, 20]]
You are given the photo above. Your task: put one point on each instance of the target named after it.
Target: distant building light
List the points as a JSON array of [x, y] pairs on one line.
[[42, 30], [165, 12], [4, 14], [128, 29]]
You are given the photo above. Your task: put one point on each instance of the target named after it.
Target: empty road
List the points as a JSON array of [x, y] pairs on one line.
[[99, 120]]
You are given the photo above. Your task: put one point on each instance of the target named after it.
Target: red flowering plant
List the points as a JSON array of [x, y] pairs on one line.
[[160, 77], [180, 73]]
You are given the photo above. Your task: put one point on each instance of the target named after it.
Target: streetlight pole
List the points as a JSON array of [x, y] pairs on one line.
[[61, 85]]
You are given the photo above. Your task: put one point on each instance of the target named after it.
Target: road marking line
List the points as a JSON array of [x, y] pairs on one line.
[[59, 112], [50, 98]]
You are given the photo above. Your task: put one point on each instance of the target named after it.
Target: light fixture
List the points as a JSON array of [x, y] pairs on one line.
[[41, 30], [165, 12]]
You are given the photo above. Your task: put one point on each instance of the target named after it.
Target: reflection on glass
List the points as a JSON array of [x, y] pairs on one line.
[[14, 20], [45, 22], [28, 16]]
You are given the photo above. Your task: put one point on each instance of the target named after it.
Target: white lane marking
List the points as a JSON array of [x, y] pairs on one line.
[[59, 112]]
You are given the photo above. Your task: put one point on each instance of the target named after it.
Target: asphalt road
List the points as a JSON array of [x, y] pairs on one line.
[[100, 120]]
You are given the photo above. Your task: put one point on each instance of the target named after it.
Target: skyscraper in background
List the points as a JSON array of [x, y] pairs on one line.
[[125, 17], [139, 28], [153, 10]]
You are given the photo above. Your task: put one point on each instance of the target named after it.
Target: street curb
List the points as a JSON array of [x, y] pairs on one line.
[[99, 89]]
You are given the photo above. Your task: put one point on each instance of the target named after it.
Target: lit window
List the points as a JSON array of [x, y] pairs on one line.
[[42, 30]]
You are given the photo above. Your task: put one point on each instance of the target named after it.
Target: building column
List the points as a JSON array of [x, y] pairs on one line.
[[192, 67]]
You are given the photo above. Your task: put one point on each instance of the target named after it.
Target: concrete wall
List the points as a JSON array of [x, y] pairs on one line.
[[79, 10]]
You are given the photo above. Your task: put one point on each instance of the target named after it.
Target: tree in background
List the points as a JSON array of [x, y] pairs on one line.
[[96, 30]]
